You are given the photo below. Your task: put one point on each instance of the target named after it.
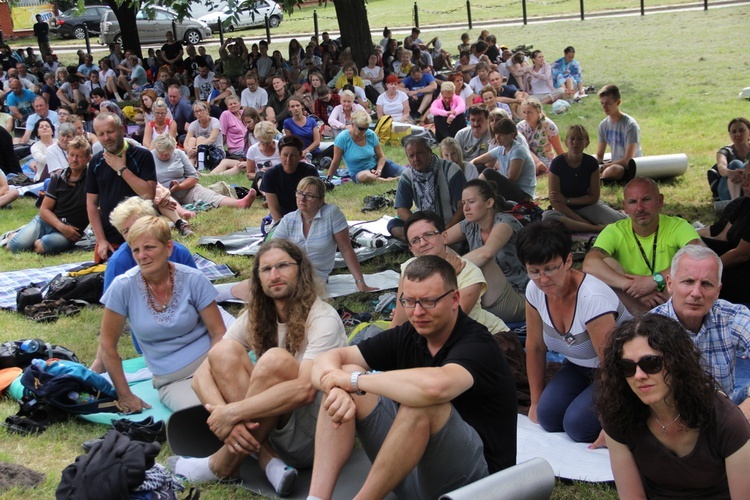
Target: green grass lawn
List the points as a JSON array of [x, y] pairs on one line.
[[679, 74]]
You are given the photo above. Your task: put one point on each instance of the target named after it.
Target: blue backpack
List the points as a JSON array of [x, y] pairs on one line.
[[68, 386]]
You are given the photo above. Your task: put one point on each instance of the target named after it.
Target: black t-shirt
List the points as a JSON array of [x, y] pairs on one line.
[[284, 185], [489, 406], [192, 65], [171, 50], [9, 163], [492, 53], [112, 189], [70, 200], [740, 219], [574, 182]]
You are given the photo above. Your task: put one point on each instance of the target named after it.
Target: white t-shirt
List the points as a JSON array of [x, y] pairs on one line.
[[262, 161], [203, 85], [395, 106], [255, 100], [324, 332]]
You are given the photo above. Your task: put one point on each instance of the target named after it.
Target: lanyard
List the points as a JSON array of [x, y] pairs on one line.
[[652, 264]]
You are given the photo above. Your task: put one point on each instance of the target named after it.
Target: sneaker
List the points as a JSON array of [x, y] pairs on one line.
[[183, 227]]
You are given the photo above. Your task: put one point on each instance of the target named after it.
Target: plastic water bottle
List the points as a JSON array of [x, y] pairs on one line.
[[201, 160], [30, 346], [81, 398]]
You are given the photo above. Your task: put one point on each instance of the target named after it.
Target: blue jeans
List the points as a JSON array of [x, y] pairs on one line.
[[724, 181], [37, 229], [390, 169], [567, 404]]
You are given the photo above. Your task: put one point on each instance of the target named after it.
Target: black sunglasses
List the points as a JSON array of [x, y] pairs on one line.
[[649, 365]]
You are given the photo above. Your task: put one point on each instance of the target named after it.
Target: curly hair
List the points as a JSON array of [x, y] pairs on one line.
[[262, 328], [690, 386]]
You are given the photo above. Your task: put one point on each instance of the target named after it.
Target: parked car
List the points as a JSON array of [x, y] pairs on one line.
[[251, 13], [70, 23], [153, 30]]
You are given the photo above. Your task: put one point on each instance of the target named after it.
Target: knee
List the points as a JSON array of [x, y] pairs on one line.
[[276, 365], [39, 247], [225, 358]]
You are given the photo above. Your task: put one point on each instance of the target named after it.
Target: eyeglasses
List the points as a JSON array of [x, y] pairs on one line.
[[363, 129], [425, 303], [428, 236], [649, 364], [306, 196], [549, 273], [280, 267]]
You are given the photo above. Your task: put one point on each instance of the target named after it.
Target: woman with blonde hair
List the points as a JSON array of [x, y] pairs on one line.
[[341, 115], [204, 131], [264, 154], [360, 149], [161, 124], [448, 112], [451, 150], [175, 173], [541, 134], [172, 311], [233, 128], [319, 228]]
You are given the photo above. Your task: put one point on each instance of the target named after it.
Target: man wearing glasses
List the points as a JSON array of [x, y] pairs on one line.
[[431, 183], [432, 401], [267, 407], [720, 329]]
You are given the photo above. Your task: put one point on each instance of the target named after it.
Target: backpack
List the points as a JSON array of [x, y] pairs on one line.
[[20, 353], [88, 287], [383, 128], [526, 212], [68, 386]]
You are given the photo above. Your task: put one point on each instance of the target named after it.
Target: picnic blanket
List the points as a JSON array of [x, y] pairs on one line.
[[12, 281], [247, 241], [340, 284]]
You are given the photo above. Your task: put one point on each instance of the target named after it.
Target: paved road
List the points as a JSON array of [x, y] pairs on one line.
[[258, 34]]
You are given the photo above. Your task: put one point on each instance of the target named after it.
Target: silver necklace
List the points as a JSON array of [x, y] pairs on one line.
[[664, 427]]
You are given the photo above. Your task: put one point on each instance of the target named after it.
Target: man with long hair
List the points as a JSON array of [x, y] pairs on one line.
[[267, 407]]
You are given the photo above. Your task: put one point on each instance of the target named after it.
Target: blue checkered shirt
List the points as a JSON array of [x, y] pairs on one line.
[[724, 335]]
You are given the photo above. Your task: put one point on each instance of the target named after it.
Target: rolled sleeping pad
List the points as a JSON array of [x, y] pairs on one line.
[[657, 167], [530, 480]]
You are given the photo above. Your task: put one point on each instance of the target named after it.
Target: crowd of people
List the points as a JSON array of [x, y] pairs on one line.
[[650, 328]]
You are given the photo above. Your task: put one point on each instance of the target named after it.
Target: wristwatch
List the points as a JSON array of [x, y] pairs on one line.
[[353, 382], [660, 283], [119, 172]]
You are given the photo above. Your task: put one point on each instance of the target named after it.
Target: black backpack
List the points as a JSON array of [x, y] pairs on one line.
[[20, 352], [88, 287]]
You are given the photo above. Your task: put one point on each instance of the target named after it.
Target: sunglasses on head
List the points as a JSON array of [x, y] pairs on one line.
[[649, 365]]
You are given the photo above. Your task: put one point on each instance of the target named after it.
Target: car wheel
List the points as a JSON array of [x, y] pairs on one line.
[[79, 32], [229, 28], [192, 37], [274, 21], [118, 40]]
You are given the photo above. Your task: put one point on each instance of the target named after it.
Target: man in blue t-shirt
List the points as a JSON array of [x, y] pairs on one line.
[[19, 100], [420, 88]]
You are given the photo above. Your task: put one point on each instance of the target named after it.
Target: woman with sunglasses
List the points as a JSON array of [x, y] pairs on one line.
[[568, 312], [360, 149], [670, 433], [318, 228]]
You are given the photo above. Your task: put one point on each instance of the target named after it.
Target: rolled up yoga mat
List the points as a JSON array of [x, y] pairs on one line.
[[657, 167], [530, 480]]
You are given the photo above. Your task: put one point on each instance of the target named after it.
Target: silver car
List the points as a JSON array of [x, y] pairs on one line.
[[154, 30], [250, 14]]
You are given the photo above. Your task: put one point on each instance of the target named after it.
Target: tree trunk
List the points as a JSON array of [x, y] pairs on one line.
[[125, 14], [355, 29]]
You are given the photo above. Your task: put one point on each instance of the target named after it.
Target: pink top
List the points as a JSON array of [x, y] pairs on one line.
[[234, 131], [438, 108]]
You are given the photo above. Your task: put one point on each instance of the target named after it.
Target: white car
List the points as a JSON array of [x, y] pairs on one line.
[[252, 13]]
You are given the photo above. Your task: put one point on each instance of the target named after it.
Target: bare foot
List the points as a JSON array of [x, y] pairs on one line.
[[248, 200], [600, 442]]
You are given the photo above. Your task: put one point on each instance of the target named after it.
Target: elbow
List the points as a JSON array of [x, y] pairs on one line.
[[438, 389]]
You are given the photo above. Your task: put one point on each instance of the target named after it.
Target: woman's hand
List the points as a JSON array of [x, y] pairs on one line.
[[555, 197], [735, 176], [131, 403], [362, 287], [532, 413]]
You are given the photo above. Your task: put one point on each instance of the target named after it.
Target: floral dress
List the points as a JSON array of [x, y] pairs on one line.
[[538, 138]]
